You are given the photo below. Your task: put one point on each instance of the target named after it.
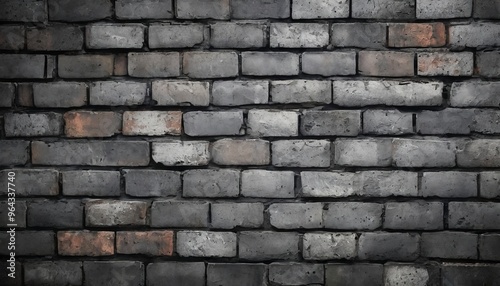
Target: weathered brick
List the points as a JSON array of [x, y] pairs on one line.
[[400, 274], [387, 122], [55, 38], [94, 153], [488, 244], [386, 64], [191, 93], [53, 273], [301, 153], [210, 123], [298, 35], [211, 183], [267, 245], [231, 215], [329, 63], [241, 152], [488, 63], [292, 91], [19, 212], [32, 125], [486, 121], [389, 246], [445, 64], [55, 214], [244, 274], [152, 123], [234, 93], [458, 184], [100, 213], [354, 274], [269, 63], [448, 244], [45, 243], [181, 153], [489, 184], [15, 152], [475, 93], [353, 215], [91, 183], [176, 273], [423, 153], [210, 64], [419, 215], [418, 35], [7, 92], [331, 123], [12, 37], [388, 183], [476, 34], [175, 35], [113, 273], [384, 9], [144, 9], [329, 245], [447, 121], [179, 214], [365, 152], [267, 184], [260, 9], [486, 9], [152, 183], [327, 184], [116, 93], [473, 215], [296, 215], [428, 9], [272, 123], [22, 66], [60, 94], [92, 124], [85, 66], [320, 9], [296, 273], [114, 36], [79, 11], [479, 153], [395, 93], [361, 35], [470, 274], [238, 35], [202, 9], [206, 244], [24, 95], [154, 64], [23, 11], [151, 243]]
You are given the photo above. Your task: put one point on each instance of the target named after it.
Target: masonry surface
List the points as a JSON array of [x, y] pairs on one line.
[[251, 142]]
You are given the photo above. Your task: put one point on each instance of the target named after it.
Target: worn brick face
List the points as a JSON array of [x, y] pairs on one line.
[[417, 35], [85, 243], [92, 124]]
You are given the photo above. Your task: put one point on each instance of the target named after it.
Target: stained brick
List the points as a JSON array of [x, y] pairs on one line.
[[320, 9], [417, 35], [240, 152], [91, 183], [190, 93], [79, 11], [238, 35], [331, 123], [202, 9], [362, 35], [60, 94], [298, 35], [152, 183], [445, 64], [152, 123], [387, 64], [210, 64], [55, 38], [23, 11], [117, 93], [260, 9], [144, 9], [269, 63], [92, 124], [151, 243], [175, 35], [12, 37], [154, 64], [85, 66], [32, 125], [101, 213], [22, 66]]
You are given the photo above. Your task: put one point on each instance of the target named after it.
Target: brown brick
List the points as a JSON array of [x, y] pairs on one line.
[[417, 35], [445, 64], [55, 38], [152, 123], [86, 243], [153, 243], [25, 94], [92, 124], [390, 64], [121, 65]]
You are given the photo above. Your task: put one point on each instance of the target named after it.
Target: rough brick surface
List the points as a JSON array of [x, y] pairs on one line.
[[55, 38], [92, 124], [60, 94], [91, 183], [179, 214], [175, 35], [236, 35], [300, 35], [385, 63], [325, 246], [144, 9], [185, 153], [101, 213], [206, 244], [417, 35], [181, 273], [32, 125], [191, 93], [152, 243], [235, 93], [152, 123], [85, 243]]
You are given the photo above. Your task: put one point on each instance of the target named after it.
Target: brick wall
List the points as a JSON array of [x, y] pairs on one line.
[[251, 142]]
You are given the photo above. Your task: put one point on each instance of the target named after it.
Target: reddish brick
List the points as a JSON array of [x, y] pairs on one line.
[[445, 64], [121, 65], [153, 243], [86, 243], [390, 64], [152, 123], [417, 35], [92, 124]]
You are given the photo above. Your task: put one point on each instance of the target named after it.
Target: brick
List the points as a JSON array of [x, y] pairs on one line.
[[199, 9], [354, 274], [388, 183], [473, 215], [92, 124], [79, 11], [91, 153], [144, 9], [445, 64], [418, 35], [152, 183], [209, 123], [486, 121], [85, 66], [475, 93], [489, 184], [210, 64], [260, 9], [301, 153], [12, 37], [328, 184], [151, 243], [268, 245], [296, 215], [389, 246], [428, 9], [272, 123], [244, 274], [353, 215], [384, 9], [331, 123], [419, 215], [474, 35], [320, 9], [181, 153], [211, 183], [32, 125], [100, 213], [447, 121], [241, 152], [487, 64], [387, 122], [55, 38], [470, 274], [231, 215], [386, 64], [154, 64], [116, 93], [60, 94], [152, 123], [190, 93], [22, 66], [391, 93], [7, 92], [488, 243], [175, 35], [486, 9], [479, 153], [55, 214], [365, 152], [423, 153], [296, 273], [361, 35], [177, 273], [292, 91], [206, 244], [114, 36], [269, 63], [401, 274], [329, 63], [179, 214], [238, 35], [326, 246], [113, 273], [45, 243], [449, 245], [53, 273], [19, 213], [91, 183], [23, 11], [298, 35], [458, 184], [24, 95], [15, 152], [235, 93], [267, 184]]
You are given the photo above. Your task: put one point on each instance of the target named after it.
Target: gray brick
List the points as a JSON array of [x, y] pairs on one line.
[[114, 36], [45, 243], [386, 63], [296, 273], [474, 35], [238, 35], [320, 9], [19, 212], [489, 184], [268, 245], [91, 183], [85, 66], [389, 246], [99, 213], [329, 63], [388, 183], [55, 38], [446, 121], [299, 35], [353, 215], [354, 274], [486, 121], [206, 244], [53, 273], [301, 153], [177, 273], [175, 35], [60, 94], [296, 215], [32, 182], [445, 64], [267, 184], [387, 122], [449, 245], [210, 123], [241, 152], [190, 93], [144, 9], [234, 93], [152, 123], [331, 123], [402, 274], [211, 183], [231, 215], [15, 152], [181, 153], [12, 37], [328, 184], [479, 153], [23, 11], [487, 9], [423, 153], [326, 246], [116, 93], [152, 183], [473, 215], [202, 9], [419, 215], [154, 64], [210, 64], [55, 214], [179, 214], [361, 35], [244, 274], [32, 125], [292, 91], [272, 123], [113, 273], [7, 94], [269, 63], [365, 152], [488, 245], [475, 93], [260, 9], [79, 11], [428, 9], [91, 153], [384, 9], [470, 274], [22, 66], [449, 184]]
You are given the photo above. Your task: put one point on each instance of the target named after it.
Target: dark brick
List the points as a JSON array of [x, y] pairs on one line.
[[55, 38], [179, 214], [470, 274], [49, 273], [211, 183], [32, 182], [243, 274], [144, 9], [488, 246], [414, 215], [267, 245], [15, 152], [23, 11], [389, 246], [60, 94], [151, 243], [296, 273], [114, 273], [79, 10], [354, 274], [331, 123], [260, 9], [450, 245], [202, 9], [152, 183], [55, 214], [362, 35], [176, 273], [29, 243], [487, 9], [458, 184], [99, 213], [12, 37], [85, 66], [91, 183], [488, 63], [7, 92], [33, 125], [22, 66], [20, 213], [473, 215], [86, 243], [231, 215], [384, 9]]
